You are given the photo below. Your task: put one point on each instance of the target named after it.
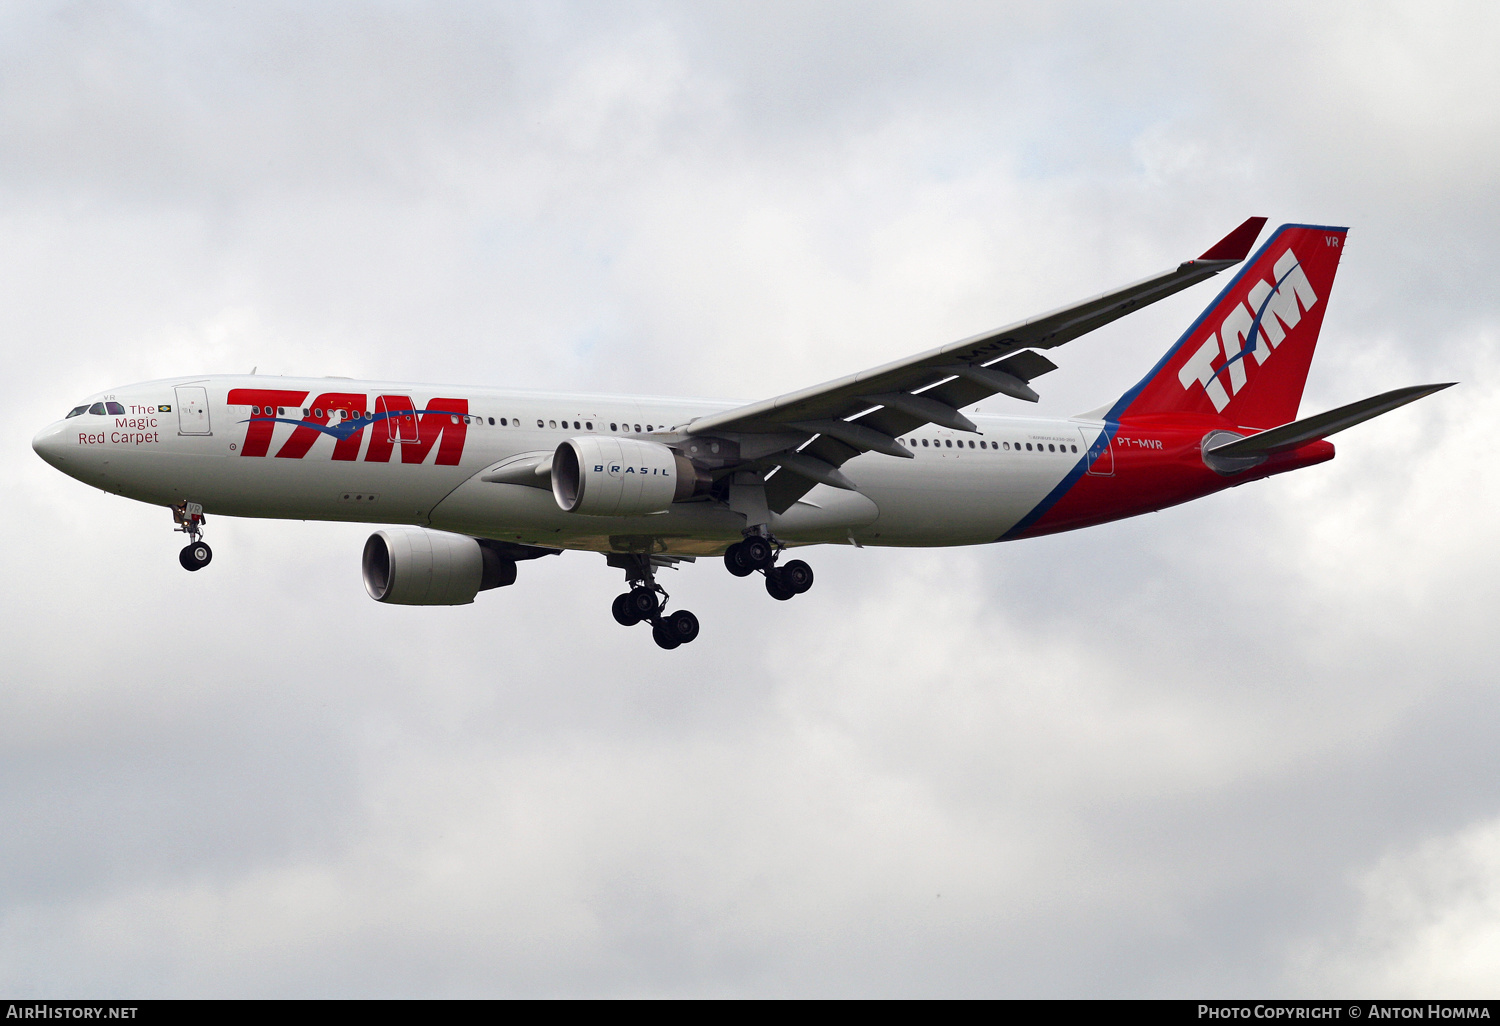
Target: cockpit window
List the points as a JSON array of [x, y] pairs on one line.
[[98, 410]]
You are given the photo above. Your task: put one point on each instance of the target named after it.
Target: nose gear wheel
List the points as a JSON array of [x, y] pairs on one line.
[[190, 519], [195, 556]]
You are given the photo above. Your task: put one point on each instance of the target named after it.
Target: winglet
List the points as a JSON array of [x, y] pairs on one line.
[[1236, 245]]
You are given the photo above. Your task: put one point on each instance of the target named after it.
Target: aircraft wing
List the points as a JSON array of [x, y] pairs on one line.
[[868, 411]]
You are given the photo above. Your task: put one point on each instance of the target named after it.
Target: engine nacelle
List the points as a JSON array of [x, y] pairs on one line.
[[606, 476], [409, 566]]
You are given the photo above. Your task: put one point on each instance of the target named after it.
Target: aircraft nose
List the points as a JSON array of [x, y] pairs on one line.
[[49, 444]]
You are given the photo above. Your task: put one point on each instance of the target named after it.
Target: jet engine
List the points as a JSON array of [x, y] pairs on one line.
[[605, 476], [409, 566]]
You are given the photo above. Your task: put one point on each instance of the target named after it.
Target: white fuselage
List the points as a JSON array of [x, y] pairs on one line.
[[194, 440]]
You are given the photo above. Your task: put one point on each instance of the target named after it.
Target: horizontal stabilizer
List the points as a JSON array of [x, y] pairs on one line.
[[1309, 429]]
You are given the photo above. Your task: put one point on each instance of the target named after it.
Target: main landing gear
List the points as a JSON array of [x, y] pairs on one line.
[[196, 554], [647, 601], [757, 553]]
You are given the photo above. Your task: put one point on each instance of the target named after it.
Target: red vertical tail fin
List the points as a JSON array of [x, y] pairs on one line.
[[1246, 357]]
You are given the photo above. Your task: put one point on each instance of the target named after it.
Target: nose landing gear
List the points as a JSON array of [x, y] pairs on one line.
[[642, 604], [196, 554]]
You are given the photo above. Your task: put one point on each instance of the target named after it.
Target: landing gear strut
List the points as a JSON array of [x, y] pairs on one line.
[[646, 601], [758, 553], [196, 554]]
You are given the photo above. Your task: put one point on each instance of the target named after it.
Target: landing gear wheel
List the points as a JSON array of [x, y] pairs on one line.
[[646, 599], [624, 610], [681, 625], [733, 563], [195, 556], [662, 635], [777, 587], [756, 553], [643, 603], [797, 575]]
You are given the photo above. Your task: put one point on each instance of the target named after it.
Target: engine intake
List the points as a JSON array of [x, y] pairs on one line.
[[606, 476], [413, 567]]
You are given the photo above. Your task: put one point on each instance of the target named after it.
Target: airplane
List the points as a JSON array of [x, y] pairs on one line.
[[481, 479]]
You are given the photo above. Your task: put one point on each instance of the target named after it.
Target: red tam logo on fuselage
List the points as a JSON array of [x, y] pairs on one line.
[[346, 416]]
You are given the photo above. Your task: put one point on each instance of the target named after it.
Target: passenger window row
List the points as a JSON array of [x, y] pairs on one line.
[[342, 414], [948, 443], [588, 425], [114, 409]]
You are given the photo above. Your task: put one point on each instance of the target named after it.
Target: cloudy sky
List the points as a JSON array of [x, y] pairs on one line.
[[1245, 746]]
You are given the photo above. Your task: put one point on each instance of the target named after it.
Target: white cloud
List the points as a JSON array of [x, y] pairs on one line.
[[1428, 924]]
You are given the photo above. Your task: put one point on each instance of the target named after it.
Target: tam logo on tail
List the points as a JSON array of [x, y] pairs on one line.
[[1248, 332], [1246, 357]]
